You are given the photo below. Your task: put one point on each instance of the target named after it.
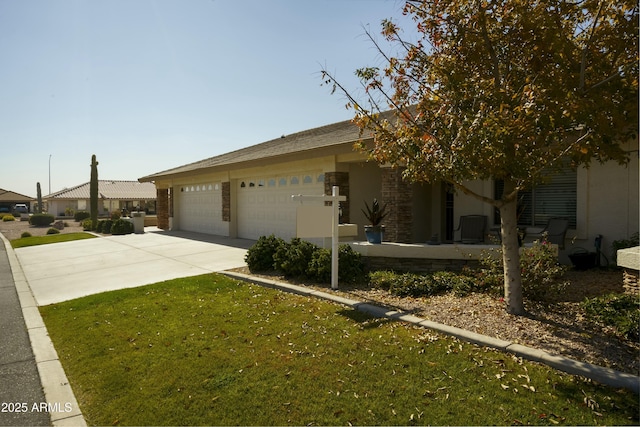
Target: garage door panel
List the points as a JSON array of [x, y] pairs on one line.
[[265, 210], [200, 209]]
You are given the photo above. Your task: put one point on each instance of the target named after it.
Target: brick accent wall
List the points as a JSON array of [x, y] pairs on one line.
[[398, 195], [341, 179], [162, 195], [226, 201]]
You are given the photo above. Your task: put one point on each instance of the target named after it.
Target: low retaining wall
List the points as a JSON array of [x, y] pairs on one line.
[[419, 257], [417, 265]]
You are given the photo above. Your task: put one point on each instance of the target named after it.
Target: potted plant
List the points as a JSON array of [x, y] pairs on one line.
[[375, 215]]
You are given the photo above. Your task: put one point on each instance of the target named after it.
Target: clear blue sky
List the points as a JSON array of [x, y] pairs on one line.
[[149, 85]]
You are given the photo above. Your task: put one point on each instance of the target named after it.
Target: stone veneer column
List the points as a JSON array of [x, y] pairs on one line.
[[226, 201], [163, 208], [398, 195], [341, 179]]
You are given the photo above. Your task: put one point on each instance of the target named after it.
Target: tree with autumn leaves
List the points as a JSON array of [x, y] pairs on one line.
[[506, 90]]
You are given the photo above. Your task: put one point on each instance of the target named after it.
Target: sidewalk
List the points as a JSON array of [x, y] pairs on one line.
[[35, 390]]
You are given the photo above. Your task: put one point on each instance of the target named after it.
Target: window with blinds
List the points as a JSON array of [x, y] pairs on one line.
[[556, 198]]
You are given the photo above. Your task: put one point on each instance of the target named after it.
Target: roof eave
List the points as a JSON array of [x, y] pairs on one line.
[[339, 148]]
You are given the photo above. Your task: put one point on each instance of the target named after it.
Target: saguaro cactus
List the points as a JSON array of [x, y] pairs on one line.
[[39, 192], [93, 191]]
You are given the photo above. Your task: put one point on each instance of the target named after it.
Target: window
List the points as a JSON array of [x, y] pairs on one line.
[[556, 198]]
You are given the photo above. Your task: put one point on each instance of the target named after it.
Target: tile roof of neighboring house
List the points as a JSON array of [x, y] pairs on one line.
[[11, 196], [118, 190], [329, 136]]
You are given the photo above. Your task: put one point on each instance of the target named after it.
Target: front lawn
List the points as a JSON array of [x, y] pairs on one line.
[[209, 350], [50, 238]]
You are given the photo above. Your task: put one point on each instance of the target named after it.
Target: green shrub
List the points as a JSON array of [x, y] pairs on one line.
[[401, 284], [459, 284], [620, 311], [350, 266], [115, 215], [292, 259], [259, 257], [623, 244], [81, 216], [417, 285], [7, 218], [106, 226], [87, 225], [25, 234], [41, 219], [53, 231], [121, 226], [99, 226], [542, 275]]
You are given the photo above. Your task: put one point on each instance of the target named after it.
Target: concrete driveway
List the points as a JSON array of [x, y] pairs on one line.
[[69, 270]]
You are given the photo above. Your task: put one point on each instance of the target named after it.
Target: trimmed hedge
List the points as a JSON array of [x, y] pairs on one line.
[[417, 285], [121, 226], [81, 216], [260, 256], [304, 260], [41, 219]]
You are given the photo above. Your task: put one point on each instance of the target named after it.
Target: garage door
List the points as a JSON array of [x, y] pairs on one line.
[[200, 209], [265, 206]]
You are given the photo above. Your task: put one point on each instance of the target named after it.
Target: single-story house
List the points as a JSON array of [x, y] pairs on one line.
[[8, 200], [247, 193], [112, 195]]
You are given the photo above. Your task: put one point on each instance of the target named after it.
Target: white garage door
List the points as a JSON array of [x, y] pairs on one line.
[[200, 209], [265, 206]]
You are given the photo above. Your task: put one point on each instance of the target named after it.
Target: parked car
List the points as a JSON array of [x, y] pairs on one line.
[[21, 208]]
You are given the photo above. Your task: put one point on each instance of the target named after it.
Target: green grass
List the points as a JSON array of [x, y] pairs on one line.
[[51, 238], [209, 350]]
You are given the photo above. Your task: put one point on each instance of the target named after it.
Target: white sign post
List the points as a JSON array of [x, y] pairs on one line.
[[334, 199]]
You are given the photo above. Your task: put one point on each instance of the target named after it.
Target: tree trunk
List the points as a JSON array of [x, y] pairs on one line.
[[511, 254]]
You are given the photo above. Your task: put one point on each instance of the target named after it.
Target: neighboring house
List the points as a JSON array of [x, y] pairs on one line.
[[8, 200], [112, 195], [247, 193]]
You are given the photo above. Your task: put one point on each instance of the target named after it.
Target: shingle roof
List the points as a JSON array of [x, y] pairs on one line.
[[335, 134], [11, 196], [118, 190]]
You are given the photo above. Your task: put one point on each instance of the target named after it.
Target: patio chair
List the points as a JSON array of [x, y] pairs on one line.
[[556, 230], [472, 228]]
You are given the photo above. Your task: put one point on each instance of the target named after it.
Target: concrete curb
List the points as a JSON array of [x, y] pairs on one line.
[[596, 373], [62, 403]]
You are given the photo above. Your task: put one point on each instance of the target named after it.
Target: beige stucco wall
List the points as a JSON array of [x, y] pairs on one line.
[[608, 201]]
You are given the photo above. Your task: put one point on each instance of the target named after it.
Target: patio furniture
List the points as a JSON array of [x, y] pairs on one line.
[[472, 228], [556, 230]]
